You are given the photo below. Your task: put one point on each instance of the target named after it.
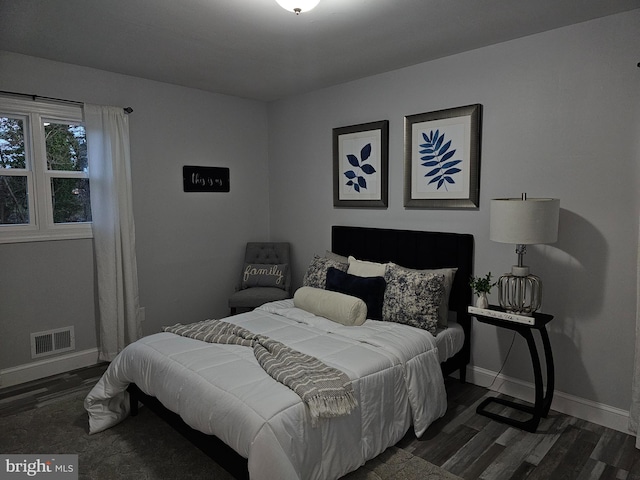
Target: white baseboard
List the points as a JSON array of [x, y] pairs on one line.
[[593, 412], [45, 368]]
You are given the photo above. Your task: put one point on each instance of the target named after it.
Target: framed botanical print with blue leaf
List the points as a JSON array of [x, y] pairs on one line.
[[360, 165], [442, 158]]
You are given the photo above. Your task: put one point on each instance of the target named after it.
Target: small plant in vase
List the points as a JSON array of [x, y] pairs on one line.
[[482, 286]]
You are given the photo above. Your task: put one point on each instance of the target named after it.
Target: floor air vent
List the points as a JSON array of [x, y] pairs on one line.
[[52, 341]]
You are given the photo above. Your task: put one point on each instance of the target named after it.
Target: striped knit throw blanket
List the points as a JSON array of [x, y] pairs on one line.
[[326, 390]]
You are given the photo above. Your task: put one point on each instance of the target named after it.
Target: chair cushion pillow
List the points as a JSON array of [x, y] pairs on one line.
[[335, 306], [264, 275], [369, 289], [256, 296]]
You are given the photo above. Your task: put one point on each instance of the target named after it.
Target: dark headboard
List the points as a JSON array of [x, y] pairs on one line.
[[421, 250]]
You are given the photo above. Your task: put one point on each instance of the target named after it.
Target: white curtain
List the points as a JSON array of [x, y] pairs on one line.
[[634, 414], [120, 315]]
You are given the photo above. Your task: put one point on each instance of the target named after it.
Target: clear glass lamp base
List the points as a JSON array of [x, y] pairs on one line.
[[520, 292]]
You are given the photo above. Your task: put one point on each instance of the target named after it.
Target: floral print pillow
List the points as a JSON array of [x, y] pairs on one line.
[[316, 275], [412, 297]]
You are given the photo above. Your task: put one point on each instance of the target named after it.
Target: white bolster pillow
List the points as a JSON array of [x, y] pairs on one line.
[[338, 307]]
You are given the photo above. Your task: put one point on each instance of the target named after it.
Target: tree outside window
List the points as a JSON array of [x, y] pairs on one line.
[[44, 172]]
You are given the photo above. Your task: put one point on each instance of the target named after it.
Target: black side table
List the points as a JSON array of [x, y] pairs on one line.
[[542, 399]]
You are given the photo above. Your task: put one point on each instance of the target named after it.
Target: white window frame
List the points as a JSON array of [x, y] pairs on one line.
[[41, 226]]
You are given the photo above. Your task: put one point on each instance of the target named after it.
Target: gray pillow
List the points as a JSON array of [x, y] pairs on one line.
[[334, 256]]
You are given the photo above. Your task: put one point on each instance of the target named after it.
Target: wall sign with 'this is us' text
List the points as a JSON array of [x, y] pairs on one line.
[[205, 179]]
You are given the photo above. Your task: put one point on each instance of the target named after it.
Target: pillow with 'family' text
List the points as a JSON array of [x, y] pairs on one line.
[[264, 275]]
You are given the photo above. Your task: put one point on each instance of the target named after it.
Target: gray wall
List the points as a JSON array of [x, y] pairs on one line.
[[45, 285], [561, 119], [189, 245]]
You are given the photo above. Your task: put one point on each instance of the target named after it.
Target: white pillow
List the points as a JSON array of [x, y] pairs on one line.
[[363, 268], [335, 306]]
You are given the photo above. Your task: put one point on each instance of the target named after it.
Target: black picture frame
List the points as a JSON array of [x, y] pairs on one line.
[[361, 165], [442, 158]]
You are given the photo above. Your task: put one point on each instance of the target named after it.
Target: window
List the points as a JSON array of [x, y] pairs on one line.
[[44, 172]]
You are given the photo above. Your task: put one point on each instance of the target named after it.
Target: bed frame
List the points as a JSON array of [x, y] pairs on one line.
[[420, 250], [412, 249]]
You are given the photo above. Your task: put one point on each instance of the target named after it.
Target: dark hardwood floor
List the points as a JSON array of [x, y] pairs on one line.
[[37, 393], [462, 442], [475, 447]]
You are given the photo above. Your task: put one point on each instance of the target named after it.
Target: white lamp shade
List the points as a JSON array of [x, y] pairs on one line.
[[298, 5], [524, 222]]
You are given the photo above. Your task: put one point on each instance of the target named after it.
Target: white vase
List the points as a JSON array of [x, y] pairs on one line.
[[482, 301]]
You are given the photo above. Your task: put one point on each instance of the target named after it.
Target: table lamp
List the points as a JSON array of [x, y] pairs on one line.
[[523, 221]]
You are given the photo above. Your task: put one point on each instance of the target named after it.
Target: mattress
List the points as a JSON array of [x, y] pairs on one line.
[[221, 390], [449, 340]]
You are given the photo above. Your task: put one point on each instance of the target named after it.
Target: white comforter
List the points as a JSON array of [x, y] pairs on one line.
[[221, 390]]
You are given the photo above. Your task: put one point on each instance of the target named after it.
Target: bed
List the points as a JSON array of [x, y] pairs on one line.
[[227, 400]]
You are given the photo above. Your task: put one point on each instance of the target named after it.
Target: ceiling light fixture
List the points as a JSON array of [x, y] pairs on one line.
[[298, 6]]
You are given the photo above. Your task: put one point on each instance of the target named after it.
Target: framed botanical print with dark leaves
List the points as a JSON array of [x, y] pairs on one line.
[[442, 158], [360, 165]]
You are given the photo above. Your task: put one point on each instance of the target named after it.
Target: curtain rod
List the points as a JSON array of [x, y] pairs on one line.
[[53, 99]]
